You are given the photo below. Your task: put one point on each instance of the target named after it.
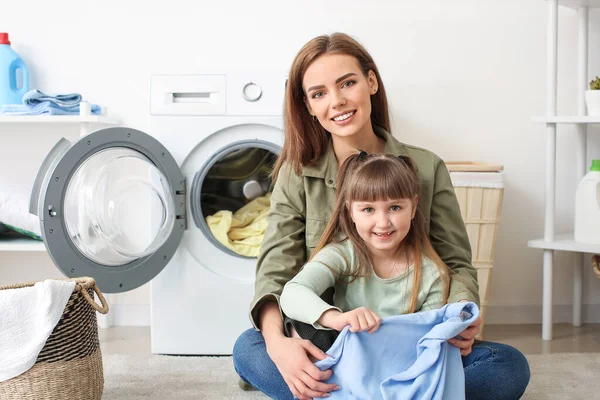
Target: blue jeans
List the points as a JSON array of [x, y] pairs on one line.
[[492, 370]]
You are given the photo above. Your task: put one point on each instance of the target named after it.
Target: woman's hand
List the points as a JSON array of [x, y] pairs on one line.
[[290, 356], [468, 338], [359, 319]]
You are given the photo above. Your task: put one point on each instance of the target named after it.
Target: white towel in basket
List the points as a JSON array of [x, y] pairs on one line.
[[27, 317]]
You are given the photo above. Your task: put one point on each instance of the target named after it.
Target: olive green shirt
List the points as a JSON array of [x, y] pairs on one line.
[[302, 204]]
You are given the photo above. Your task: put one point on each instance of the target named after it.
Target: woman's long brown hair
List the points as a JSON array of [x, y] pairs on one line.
[[305, 139], [380, 177]]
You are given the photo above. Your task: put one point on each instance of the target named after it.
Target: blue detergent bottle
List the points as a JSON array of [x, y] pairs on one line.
[[12, 88]]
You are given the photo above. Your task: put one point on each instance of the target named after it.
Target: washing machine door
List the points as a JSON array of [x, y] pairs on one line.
[[111, 206]]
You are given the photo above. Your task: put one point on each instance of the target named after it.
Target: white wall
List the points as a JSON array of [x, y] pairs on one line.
[[463, 79]]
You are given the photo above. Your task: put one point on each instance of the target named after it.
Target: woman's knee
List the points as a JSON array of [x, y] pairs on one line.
[[519, 368], [496, 371], [516, 364], [245, 348]]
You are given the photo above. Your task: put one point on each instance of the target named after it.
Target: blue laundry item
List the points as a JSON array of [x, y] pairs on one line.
[[45, 108], [35, 97], [408, 357]]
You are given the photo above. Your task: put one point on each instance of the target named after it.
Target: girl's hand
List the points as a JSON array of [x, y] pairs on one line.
[[298, 372], [359, 319]]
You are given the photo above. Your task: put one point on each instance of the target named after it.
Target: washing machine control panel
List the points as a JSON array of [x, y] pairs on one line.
[[239, 93]]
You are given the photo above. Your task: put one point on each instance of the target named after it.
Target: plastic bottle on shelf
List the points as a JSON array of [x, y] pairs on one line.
[[12, 88], [587, 207]]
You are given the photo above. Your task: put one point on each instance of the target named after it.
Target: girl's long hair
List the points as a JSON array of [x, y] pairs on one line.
[[379, 177], [305, 139]]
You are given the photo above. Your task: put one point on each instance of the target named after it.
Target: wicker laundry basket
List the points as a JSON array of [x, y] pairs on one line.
[[69, 365], [479, 188]]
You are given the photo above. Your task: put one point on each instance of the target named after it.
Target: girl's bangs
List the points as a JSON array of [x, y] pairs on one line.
[[376, 181]]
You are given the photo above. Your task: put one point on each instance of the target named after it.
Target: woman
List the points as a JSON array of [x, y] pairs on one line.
[[335, 103]]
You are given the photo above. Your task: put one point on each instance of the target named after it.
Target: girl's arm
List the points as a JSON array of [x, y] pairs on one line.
[[301, 299]]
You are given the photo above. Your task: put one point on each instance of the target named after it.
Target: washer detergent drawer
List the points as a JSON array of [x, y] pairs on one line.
[[111, 206], [188, 94]]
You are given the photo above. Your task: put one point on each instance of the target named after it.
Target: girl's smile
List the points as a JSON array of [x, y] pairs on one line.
[[384, 235]]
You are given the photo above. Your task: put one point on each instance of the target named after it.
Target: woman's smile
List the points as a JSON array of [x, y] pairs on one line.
[[344, 118]]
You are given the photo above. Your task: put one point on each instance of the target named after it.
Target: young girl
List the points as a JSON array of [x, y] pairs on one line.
[[375, 252], [335, 103]]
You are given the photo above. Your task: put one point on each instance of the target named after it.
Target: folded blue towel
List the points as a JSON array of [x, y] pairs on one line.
[[44, 108], [35, 97], [408, 357]]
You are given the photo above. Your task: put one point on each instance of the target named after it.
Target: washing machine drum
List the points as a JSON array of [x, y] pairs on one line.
[[238, 177], [111, 206]]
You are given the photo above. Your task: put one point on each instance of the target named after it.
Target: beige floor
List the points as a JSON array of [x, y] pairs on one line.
[[527, 338]]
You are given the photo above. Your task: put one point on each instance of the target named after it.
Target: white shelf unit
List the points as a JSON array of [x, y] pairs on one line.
[[564, 119], [563, 242], [85, 122], [14, 243], [580, 3], [57, 119]]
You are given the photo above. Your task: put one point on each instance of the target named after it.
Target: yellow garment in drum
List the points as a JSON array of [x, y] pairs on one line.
[[243, 231]]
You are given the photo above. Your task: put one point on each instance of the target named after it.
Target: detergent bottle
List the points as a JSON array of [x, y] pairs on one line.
[[587, 207], [12, 88]]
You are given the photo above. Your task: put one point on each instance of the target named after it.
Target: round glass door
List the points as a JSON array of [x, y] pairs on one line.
[[118, 207]]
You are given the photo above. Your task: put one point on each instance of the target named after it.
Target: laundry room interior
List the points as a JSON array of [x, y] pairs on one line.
[[467, 80]]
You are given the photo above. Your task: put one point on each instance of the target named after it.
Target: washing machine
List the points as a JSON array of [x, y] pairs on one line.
[[129, 207]]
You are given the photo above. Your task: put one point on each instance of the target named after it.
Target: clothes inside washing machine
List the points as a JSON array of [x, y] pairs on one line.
[[235, 198]]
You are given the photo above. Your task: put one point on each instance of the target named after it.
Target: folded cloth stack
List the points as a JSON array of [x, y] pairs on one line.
[[14, 211], [35, 102]]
